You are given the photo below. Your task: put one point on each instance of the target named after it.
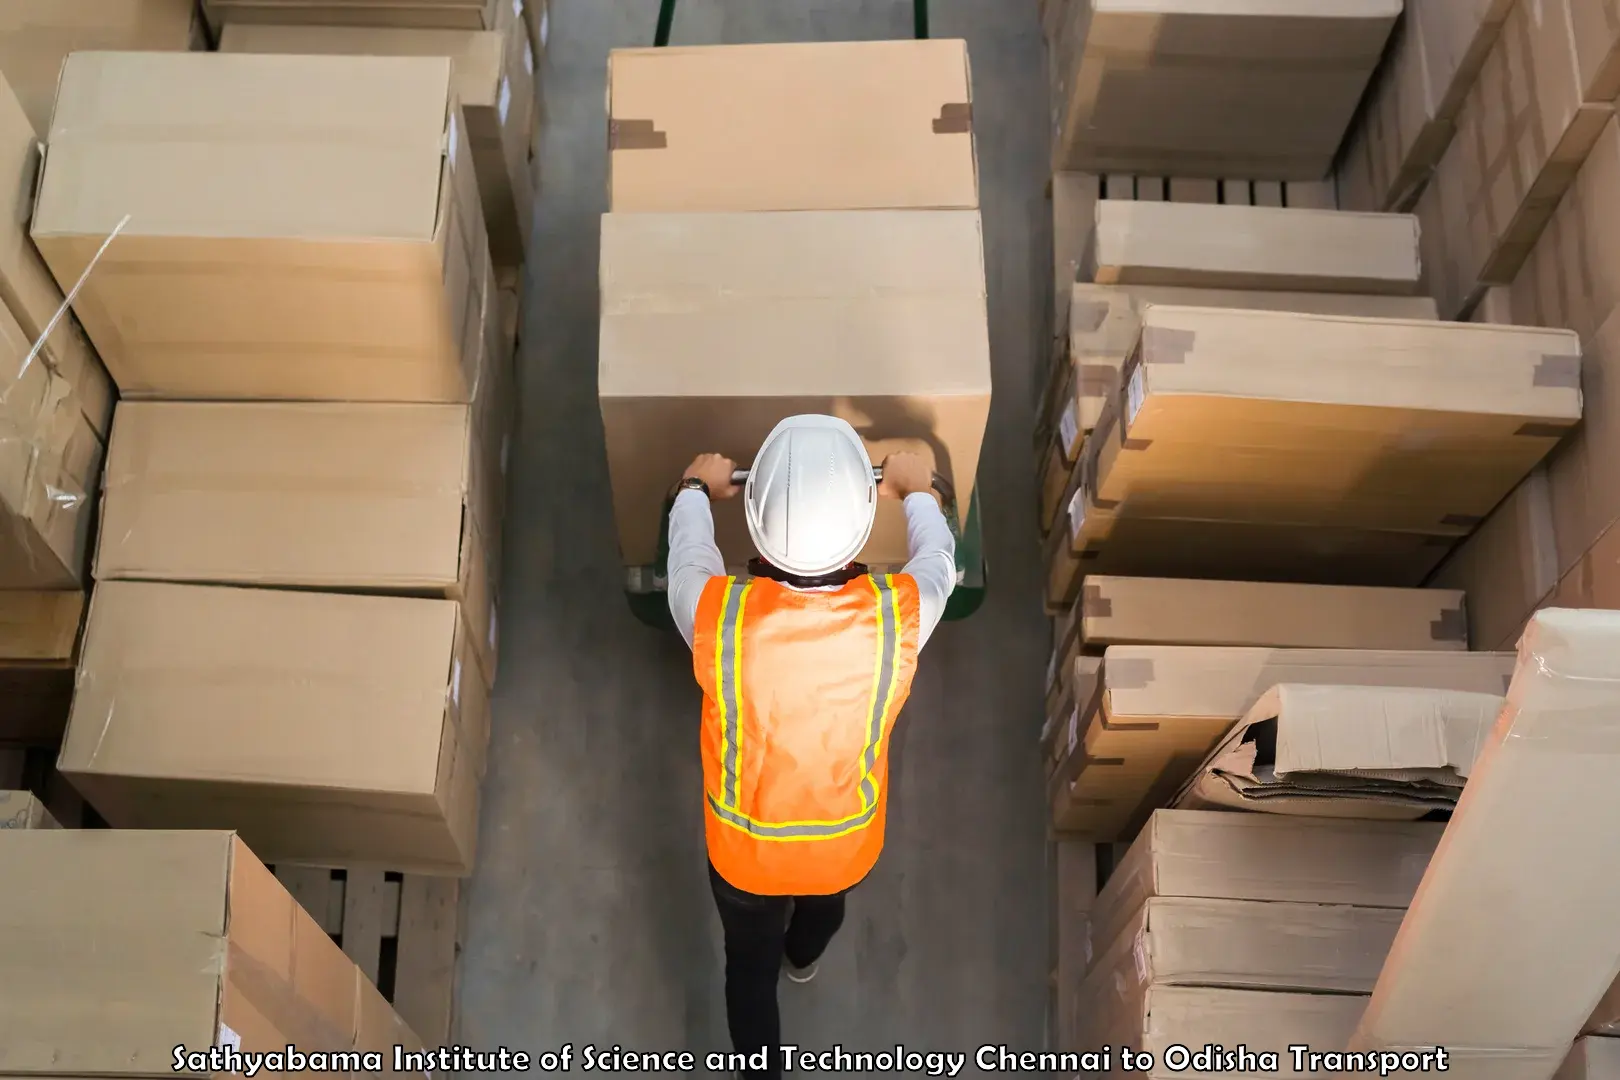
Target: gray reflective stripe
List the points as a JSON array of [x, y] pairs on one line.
[[793, 830], [731, 606], [888, 647]]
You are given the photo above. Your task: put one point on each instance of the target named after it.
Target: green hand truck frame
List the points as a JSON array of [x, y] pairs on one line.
[[645, 587], [666, 20]]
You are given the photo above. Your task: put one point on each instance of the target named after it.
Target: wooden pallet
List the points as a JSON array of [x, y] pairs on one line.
[[404, 931]]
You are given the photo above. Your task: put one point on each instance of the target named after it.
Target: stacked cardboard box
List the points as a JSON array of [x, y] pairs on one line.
[[1149, 86], [359, 356], [404, 14], [1244, 930], [1143, 253], [791, 228], [126, 948], [1157, 671]]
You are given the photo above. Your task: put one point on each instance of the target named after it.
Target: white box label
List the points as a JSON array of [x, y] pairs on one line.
[[505, 103], [1077, 513], [1069, 428], [455, 684], [1134, 395]]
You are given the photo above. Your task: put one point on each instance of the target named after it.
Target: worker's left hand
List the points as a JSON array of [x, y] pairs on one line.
[[715, 471]]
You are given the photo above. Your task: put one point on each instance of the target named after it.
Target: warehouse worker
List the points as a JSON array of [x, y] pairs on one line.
[[804, 666]]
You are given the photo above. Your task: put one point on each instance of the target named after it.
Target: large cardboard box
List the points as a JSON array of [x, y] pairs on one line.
[[493, 78], [404, 14], [39, 635], [1215, 855], [27, 289], [1158, 710], [1396, 425], [1183, 88], [1519, 927], [1242, 1023], [329, 729], [50, 464], [37, 35], [355, 498], [127, 945], [1408, 117], [1252, 247], [1538, 107], [1074, 200], [1105, 322], [1248, 945], [1171, 611], [1508, 566], [717, 326], [300, 227], [867, 125]]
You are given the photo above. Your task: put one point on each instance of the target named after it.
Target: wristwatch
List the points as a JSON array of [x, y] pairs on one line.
[[692, 483]]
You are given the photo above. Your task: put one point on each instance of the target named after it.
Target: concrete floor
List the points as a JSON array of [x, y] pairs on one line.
[[590, 917]]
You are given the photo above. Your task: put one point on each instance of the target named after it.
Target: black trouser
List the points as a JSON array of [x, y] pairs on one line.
[[759, 932]]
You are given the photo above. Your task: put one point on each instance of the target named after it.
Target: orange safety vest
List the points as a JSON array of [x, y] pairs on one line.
[[800, 692]]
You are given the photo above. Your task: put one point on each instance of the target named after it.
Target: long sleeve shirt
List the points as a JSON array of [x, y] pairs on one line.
[[694, 558]]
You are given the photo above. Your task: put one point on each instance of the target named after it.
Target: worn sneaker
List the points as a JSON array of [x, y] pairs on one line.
[[798, 975]]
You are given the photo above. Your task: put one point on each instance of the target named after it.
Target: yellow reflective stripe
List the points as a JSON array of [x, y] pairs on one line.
[[884, 663], [792, 830], [728, 683], [735, 748]]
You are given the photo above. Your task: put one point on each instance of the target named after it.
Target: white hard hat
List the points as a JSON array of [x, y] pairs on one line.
[[811, 497]]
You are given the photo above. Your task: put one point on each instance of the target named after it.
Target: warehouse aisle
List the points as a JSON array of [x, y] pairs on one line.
[[590, 918]]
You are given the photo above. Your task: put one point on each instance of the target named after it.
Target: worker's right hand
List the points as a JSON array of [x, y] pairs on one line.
[[906, 474], [715, 471]]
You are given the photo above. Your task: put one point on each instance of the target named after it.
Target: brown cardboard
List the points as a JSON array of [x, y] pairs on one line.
[[401, 14], [1521, 136], [1105, 323], [338, 191], [1507, 566], [1594, 581], [1398, 425], [331, 729], [717, 326], [1156, 86], [1345, 752], [37, 35], [26, 286], [357, 498], [1502, 916], [1264, 857], [1247, 945], [1591, 1058], [1252, 247], [50, 464], [1096, 540], [869, 125], [1169, 611], [492, 75], [1159, 710], [39, 634], [22, 810], [148, 941], [1155, 1019], [1407, 122]]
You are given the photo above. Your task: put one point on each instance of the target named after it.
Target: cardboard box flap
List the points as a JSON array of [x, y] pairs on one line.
[[873, 302], [867, 125], [1174, 611], [1511, 916], [115, 948], [1218, 855], [264, 687], [351, 495], [1252, 247], [1527, 372], [359, 172], [1346, 751], [1164, 680]]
